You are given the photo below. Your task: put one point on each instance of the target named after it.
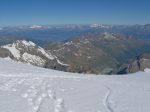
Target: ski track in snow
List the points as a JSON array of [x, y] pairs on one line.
[[36, 97], [106, 100]]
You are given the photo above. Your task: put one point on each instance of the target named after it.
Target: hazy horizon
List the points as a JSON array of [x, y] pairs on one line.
[[69, 24]]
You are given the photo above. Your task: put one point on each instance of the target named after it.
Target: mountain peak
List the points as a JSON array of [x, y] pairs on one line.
[[26, 43], [28, 52], [35, 27], [22, 49]]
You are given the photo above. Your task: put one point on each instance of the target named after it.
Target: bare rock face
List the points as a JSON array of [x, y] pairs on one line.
[[99, 54], [140, 64]]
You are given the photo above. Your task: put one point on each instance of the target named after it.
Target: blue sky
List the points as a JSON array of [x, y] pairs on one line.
[[26, 12]]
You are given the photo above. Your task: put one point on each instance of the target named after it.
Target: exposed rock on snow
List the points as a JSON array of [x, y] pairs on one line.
[[33, 59], [48, 55], [140, 63]]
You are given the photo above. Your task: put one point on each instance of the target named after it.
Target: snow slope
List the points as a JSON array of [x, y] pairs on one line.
[[25, 88]]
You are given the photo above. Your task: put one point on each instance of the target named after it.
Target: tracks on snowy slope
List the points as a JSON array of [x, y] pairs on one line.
[[39, 95], [106, 100], [44, 99]]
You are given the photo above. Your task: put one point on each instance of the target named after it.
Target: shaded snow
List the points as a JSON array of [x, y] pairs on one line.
[[147, 70], [25, 88], [12, 48]]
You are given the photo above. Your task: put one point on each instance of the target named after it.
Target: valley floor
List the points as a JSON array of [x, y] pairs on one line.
[[25, 88]]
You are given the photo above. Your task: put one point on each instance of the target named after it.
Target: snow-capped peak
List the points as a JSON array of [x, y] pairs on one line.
[[94, 25], [17, 47], [28, 43], [29, 52], [35, 27], [98, 26]]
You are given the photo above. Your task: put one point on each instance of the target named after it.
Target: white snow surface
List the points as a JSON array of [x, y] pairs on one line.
[[147, 70], [25, 88]]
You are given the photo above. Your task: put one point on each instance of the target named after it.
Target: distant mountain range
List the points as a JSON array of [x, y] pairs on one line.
[[42, 34], [98, 49]]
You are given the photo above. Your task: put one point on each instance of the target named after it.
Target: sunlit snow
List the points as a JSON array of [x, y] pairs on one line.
[[25, 88]]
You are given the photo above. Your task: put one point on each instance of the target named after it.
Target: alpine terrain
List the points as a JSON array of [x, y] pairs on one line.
[[29, 52], [105, 53]]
